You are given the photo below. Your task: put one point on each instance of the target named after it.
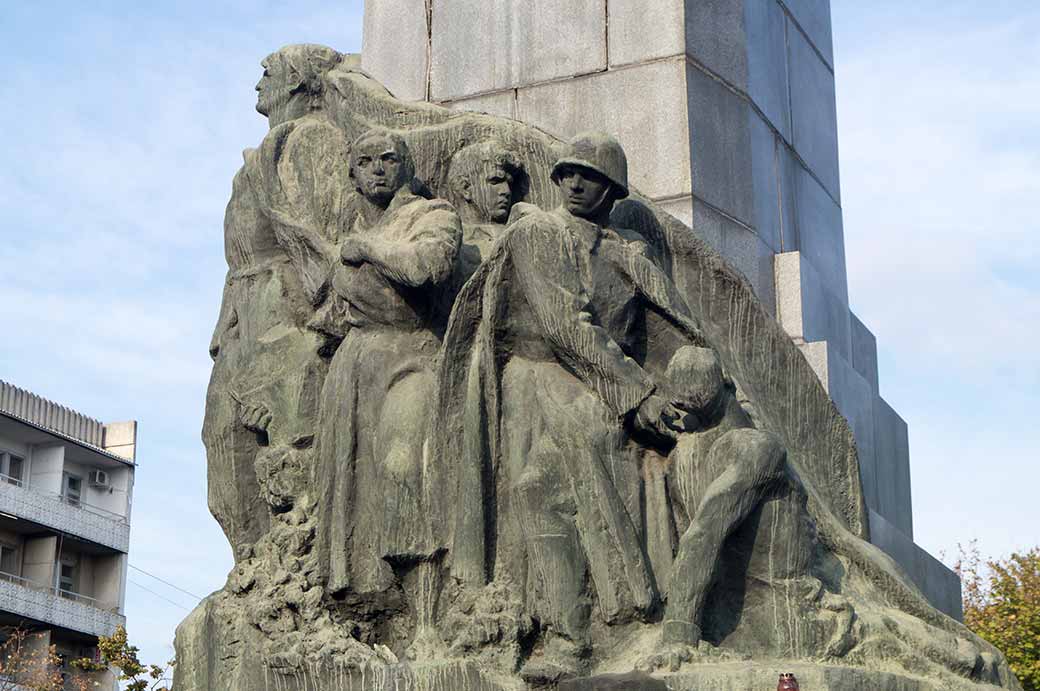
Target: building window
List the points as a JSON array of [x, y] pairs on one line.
[[11, 467], [67, 575], [72, 489], [9, 559]]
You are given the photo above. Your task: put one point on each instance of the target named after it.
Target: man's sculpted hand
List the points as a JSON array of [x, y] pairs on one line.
[[255, 417], [659, 417], [353, 251]]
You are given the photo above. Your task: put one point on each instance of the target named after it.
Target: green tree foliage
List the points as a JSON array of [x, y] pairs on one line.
[[1002, 605], [116, 652]]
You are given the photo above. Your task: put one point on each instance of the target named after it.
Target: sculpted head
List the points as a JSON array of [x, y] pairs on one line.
[[380, 165], [486, 179], [293, 82], [592, 175]]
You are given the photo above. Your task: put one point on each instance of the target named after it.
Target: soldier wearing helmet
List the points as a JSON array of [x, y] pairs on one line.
[[556, 321], [592, 176]]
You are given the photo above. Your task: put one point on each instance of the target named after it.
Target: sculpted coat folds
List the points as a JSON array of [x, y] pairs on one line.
[[482, 418]]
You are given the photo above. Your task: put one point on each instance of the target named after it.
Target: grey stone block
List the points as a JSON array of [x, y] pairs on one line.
[[765, 180], [394, 46], [520, 43], [681, 208], [864, 351], [893, 468], [644, 106], [814, 116], [744, 250], [814, 17], [854, 399], [806, 307], [818, 232], [936, 581], [502, 103], [715, 38], [720, 146], [767, 62], [787, 190], [637, 35]]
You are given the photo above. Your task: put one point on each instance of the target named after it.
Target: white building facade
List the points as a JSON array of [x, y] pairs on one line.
[[66, 489]]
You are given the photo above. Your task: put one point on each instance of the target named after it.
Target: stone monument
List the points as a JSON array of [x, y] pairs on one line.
[[726, 109], [484, 417]]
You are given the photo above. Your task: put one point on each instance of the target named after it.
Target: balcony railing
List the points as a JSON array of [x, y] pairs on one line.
[[11, 480], [80, 504], [66, 514], [66, 594], [57, 606]]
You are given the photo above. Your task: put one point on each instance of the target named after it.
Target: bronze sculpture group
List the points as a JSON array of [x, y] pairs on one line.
[[446, 423]]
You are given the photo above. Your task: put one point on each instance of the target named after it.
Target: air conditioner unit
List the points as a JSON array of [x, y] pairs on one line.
[[98, 478]]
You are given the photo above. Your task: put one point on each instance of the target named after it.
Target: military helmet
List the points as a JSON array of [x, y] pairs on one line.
[[600, 152]]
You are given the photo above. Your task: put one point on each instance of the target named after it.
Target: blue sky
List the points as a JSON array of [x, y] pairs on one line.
[[125, 122]]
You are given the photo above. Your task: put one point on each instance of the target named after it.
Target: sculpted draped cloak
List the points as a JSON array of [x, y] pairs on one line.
[[537, 328], [370, 473], [278, 230]]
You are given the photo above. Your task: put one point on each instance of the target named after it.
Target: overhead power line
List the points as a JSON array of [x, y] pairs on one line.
[[177, 588], [161, 597]]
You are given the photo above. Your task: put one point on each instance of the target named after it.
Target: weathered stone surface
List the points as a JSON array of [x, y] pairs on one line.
[[814, 17], [864, 351], [636, 35], [661, 89], [813, 111], [502, 103], [720, 146], [557, 434], [940, 585], [893, 467], [765, 176], [806, 307], [767, 63], [401, 65], [538, 40], [715, 38], [681, 208], [741, 247], [818, 231], [854, 398]]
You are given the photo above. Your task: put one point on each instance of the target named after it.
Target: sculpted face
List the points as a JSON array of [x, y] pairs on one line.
[[273, 88], [493, 193], [585, 192], [379, 169]]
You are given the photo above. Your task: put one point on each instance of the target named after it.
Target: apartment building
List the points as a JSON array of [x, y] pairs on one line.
[[66, 488]]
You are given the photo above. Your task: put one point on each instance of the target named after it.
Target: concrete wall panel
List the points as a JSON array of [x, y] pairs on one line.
[[806, 308], [742, 248], [720, 146], [644, 106], [502, 104], [937, 582], [394, 46], [819, 232], [864, 351], [767, 63], [520, 43], [893, 458], [715, 38], [814, 17], [813, 111], [638, 35]]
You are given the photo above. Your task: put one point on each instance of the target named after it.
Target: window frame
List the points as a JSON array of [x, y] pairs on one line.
[[5, 467], [65, 477]]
